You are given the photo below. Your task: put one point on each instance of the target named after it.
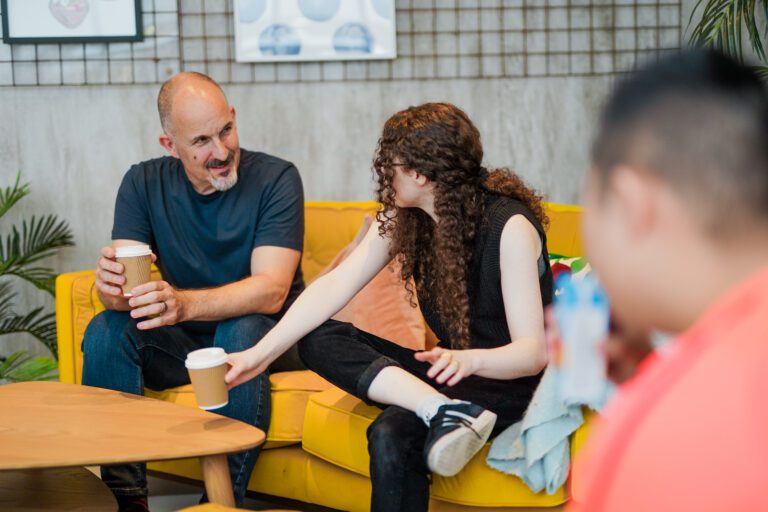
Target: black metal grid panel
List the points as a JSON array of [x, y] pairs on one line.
[[150, 61], [436, 39]]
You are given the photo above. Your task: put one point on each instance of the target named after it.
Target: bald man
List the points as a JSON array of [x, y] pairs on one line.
[[226, 227]]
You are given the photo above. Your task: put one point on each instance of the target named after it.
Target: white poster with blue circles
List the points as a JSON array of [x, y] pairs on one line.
[[314, 30]]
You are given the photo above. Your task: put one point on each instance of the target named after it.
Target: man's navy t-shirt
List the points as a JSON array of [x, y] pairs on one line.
[[204, 241]]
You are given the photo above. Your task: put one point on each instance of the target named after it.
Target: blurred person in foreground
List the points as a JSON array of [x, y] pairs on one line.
[[678, 194]]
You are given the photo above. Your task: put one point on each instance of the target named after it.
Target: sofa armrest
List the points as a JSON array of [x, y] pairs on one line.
[[76, 304]]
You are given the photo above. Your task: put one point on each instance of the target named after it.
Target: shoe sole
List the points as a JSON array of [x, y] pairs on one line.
[[451, 453]]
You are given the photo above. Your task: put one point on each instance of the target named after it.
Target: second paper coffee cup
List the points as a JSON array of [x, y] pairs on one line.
[[137, 260], [207, 367]]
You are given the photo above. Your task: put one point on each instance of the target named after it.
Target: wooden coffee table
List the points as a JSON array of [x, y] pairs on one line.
[[56, 425]]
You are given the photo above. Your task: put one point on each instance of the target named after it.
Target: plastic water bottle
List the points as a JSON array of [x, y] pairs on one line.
[[583, 317]]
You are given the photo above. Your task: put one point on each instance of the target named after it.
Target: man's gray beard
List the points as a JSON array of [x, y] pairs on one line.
[[222, 184]]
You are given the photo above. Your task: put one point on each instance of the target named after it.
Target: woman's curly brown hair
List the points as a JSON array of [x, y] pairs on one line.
[[438, 141]]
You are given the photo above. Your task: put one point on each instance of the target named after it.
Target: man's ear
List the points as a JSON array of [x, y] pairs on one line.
[[167, 142], [637, 195]]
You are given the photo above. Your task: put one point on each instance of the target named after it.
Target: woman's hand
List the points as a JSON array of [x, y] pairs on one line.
[[244, 366], [448, 366]]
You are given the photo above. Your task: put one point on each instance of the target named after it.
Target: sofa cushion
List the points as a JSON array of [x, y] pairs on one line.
[[335, 431], [290, 392], [292, 473], [480, 486], [382, 308]]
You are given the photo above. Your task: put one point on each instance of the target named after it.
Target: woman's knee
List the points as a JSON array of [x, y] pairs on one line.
[[317, 346], [396, 433], [308, 348]]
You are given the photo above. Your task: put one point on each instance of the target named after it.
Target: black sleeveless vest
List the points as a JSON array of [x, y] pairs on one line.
[[487, 319]]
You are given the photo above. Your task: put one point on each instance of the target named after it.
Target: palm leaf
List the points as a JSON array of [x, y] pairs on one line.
[[20, 366], [750, 21], [42, 278], [36, 323], [12, 361], [40, 368], [38, 239], [11, 195], [762, 72], [722, 26], [6, 299]]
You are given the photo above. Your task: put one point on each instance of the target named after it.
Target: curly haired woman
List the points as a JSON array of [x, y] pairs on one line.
[[472, 241]]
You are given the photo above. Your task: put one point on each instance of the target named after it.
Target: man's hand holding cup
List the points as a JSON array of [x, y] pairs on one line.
[[124, 273], [109, 273], [120, 269], [164, 304]]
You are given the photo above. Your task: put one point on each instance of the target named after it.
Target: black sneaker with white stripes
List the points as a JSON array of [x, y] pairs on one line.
[[456, 433]]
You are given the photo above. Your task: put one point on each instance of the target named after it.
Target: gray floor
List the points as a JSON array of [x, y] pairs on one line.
[[169, 495], [166, 495]]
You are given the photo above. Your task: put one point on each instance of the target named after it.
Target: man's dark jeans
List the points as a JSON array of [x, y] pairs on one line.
[[351, 359], [119, 356]]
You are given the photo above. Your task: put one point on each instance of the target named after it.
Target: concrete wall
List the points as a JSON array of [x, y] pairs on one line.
[[73, 144]]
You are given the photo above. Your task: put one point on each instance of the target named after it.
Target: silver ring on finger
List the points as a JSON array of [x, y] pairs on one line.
[[165, 307]]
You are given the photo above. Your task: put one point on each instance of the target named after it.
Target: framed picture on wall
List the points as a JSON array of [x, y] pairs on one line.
[[71, 21], [314, 30]]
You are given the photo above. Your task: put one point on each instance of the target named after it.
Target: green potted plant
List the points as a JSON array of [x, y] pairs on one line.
[[21, 251]]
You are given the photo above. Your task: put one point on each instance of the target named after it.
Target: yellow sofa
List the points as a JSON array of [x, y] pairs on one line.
[[316, 445]]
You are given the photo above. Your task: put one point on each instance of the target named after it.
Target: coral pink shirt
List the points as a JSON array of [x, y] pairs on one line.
[[690, 430]]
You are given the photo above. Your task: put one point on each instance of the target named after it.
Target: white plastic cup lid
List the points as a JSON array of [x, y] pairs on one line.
[[130, 251], [205, 358]]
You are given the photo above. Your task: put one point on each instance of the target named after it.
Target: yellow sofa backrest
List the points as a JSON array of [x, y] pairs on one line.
[[329, 226]]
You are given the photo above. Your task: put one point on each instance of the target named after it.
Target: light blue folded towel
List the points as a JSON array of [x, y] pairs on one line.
[[537, 448]]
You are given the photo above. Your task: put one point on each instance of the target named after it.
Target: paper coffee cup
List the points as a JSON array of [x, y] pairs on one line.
[[207, 368], [137, 260]]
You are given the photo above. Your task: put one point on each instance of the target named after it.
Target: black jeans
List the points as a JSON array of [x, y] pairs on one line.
[[351, 359], [117, 355]]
